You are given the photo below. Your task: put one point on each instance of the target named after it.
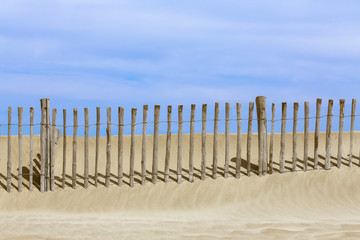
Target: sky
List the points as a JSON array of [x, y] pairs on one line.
[[129, 53]]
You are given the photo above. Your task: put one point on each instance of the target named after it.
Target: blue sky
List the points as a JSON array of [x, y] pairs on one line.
[[129, 53]]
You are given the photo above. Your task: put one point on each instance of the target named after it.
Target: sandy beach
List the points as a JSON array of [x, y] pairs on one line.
[[148, 120], [317, 204]]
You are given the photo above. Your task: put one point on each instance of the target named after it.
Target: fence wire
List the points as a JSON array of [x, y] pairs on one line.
[[177, 122]]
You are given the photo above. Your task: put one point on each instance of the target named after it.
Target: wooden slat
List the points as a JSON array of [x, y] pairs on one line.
[[46, 155], [203, 142], [155, 144], [179, 152], [97, 144], [249, 135], [317, 132], [168, 145], [31, 155], [259, 108], [74, 152], [9, 152], [294, 140], [48, 140], [306, 135], [215, 142], [120, 146], [238, 140], [64, 149], [271, 150], [353, 107], [283, 132], [227, 139], [86, 148], [143, 147], [328, 135], [132, 145], [20, 118], [42, 145], [191, 147], [52, 151], [341, 129], [262, 134], [108, 147]]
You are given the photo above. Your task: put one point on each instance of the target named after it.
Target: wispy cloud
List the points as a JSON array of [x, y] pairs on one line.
[[183, 51]]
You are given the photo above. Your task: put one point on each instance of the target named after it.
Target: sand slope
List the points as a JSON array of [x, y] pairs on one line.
[[317, 204], [312, 205]]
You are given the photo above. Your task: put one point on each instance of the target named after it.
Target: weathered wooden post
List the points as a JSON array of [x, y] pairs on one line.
[[64, 149], [9, 152], [249, 134], [155, 144], [97, 144], [179, 153], [132, 145], [238, 140], [48, 140], [74, 152], [42, 145], [215, 142], [191, 147], [294, 158], [271, 151], [143, 146], [262, 134], [52, 151], [20, 116], [120, 146], [86, 148], [168, 144], [283, 132], [31, 148], [328, 134], [306, 135], [108, 147], [227, 139], [341, 128], [45, 145], [317, 132], [203, 142], [353, 106]]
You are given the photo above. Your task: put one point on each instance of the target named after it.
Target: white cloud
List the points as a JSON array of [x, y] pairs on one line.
[[178, 51]]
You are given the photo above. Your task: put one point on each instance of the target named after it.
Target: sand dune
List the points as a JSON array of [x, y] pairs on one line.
[[318, 204], [313, 205]]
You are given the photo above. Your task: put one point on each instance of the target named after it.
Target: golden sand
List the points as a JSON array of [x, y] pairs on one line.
[[318, 204]]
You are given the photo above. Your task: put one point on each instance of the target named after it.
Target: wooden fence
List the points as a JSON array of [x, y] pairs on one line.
[[265, 144]]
